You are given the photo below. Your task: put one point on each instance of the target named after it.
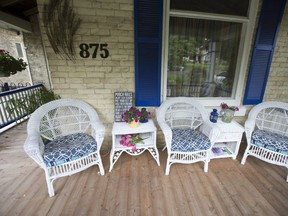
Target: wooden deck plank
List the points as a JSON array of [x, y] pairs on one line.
[[246, 197], [156, 188], [137, 186], [71, 206], [64, 195], [22, 194], [181, 204], [91, 193], [145, 185], [96, 196], [40, 196], [133, 192], [109, 204], [121, 201], [264, 178], [45, 206]]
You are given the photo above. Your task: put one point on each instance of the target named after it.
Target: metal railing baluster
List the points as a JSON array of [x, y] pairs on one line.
[[6, 117]]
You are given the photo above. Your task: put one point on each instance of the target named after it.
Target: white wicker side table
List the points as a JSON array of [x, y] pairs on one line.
[[145, 130], [228, 142]]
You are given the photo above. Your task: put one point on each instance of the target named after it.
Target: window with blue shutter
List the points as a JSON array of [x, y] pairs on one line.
[[269, 22], [148, 47]]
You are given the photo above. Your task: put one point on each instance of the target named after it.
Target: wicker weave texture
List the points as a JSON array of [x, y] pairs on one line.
[[185, 113], [59, 118], [269, 116]]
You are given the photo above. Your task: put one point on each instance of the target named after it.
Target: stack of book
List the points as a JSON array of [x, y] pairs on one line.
[[221, 150]]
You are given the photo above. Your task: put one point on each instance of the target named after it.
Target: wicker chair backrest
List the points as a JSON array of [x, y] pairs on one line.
[[62, 117], [182, 113], [271, 116]]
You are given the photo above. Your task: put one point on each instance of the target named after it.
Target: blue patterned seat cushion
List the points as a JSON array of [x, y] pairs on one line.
[[188, 140], [270, 140], [68, 148]]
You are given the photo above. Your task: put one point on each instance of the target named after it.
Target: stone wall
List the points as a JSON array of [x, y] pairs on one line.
[[36, 54], [95, 80], [8, 38], [277, 86]]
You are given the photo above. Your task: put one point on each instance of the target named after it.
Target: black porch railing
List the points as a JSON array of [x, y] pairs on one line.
[[8, 114], [184, 90], [194, 91]]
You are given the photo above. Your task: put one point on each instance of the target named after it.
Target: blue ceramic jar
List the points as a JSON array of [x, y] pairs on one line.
[[214, 116]]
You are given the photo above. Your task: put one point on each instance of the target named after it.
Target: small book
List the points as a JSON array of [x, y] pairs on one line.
[[217, 150], [227, 150], [221, 150]]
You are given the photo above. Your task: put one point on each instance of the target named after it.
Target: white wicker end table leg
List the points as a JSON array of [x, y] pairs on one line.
[[145, 130]]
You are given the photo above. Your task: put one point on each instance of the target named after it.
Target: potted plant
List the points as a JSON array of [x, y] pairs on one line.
[[227, 112], [144, 115], [9, 65], [132, 116]]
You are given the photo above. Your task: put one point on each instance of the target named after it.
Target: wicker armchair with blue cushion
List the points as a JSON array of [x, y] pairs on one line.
[[266, 130], [189, 135], [64, 137]]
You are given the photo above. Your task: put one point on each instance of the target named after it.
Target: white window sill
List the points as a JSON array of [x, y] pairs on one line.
[[241, 112]]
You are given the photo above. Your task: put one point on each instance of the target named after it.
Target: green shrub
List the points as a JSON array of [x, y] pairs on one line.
[[17, 108]]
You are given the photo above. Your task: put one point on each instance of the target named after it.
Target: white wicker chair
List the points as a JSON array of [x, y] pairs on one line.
[[64, 137], [266, 132], [189, 135]]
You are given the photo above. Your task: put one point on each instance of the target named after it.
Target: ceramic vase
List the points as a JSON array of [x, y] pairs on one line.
[[214, 116], [144, 115], [134, 124], [228, 115]]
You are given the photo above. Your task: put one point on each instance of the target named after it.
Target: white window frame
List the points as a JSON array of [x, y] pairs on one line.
[[23, 48], [243, 53]]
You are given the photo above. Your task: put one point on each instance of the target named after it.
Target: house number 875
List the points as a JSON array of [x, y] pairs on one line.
[[94, 47]]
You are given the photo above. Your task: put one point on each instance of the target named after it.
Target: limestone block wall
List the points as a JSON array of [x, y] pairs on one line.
[[277, 86], [8, 38], [36, 54], [95, 80]]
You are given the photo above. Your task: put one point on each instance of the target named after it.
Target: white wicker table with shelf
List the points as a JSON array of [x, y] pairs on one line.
[[145, 130], [229, 140]]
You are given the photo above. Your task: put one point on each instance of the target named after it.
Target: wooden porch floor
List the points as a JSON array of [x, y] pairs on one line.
[[137, 186]]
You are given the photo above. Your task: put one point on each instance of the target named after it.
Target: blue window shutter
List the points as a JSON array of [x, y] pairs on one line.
[[148, 48], [269, 22]]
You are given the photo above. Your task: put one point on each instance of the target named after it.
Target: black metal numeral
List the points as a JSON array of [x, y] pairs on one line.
[[84, 50]]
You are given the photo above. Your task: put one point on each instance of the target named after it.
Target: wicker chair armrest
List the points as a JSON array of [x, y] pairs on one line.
[[98, 132], [249, 128], [212, 131], [167, 131], [34, 147]]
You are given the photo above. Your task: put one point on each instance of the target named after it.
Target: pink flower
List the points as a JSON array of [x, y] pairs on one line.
[[224, 106], [132, 114], [130, 140], [127, 136]]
